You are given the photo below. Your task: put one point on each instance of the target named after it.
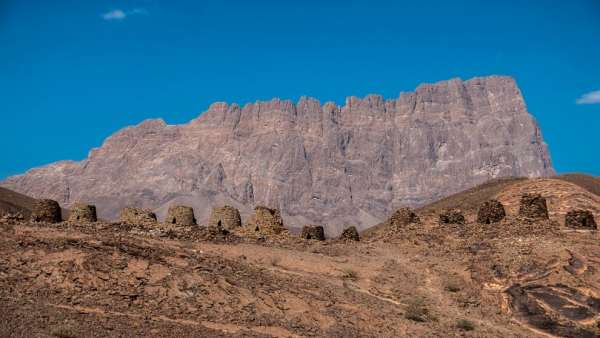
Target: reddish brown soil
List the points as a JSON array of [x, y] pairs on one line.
[[516, 278]]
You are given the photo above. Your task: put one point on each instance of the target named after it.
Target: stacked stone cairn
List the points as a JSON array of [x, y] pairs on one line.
[[46, 210], [266, 221], [533, 206], [180, 215], [452, 216], [226, 217], [580, 219], [350, 234], [137, 216], [313, 232], [403, 217], [491, 211], [83, 213]]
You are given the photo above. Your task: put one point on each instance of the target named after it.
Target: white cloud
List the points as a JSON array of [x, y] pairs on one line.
[[589, 98], [115, 14], [119, 14]]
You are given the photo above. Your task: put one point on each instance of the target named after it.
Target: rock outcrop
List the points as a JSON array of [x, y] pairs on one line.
[[317, 163]]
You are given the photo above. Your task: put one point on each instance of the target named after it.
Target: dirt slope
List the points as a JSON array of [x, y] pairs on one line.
[[588, 182], [516, 278], [13, 202]]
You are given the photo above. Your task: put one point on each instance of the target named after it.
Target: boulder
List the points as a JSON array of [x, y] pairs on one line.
[[533, 206], [46, 210], [580, 219], [490, 211], [313, 232], [452, 216], [180, 215], [350, 234], [226, 217], [80, 212], [137, 215]]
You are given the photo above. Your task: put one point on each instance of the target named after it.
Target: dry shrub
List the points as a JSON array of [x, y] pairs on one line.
[[465, 324], [417, 310]]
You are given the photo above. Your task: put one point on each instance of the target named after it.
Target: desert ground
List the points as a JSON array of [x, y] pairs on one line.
[[519, 277]]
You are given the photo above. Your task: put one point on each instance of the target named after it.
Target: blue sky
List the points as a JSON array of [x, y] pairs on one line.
[[74, 72]]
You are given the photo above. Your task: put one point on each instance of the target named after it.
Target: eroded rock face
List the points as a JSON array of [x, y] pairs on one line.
[[580, 219], [46, 210], [80, 212], [226, 217], [491, 211], [317, 163], [315, 232], [533, 206]]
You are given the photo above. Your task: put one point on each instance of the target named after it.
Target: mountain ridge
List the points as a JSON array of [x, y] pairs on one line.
[[327, 163]]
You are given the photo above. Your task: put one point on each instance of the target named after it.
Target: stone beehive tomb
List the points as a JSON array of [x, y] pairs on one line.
[[137, 215], [313, 232], [580, 219], [180, 215], [533, 206], [350, 234], [266, 220], [46, 210], [403, 217], [490, 211], [226, 217], [452, 216], [80, 212]]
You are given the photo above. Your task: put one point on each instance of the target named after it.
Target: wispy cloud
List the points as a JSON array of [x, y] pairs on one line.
[[589, 98], [119, 14]]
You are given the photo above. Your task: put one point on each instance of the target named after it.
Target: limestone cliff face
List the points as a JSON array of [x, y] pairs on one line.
[[320, 164]]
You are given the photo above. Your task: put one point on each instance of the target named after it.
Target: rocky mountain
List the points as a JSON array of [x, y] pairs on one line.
[[317, 163]]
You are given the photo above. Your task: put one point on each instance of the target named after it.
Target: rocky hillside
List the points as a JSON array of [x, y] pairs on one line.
[[318, 163], [517, 277]]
